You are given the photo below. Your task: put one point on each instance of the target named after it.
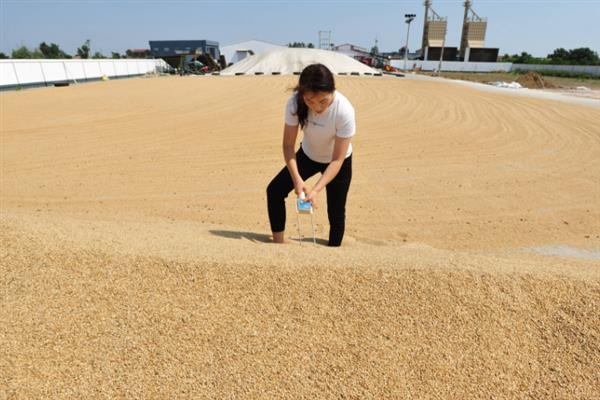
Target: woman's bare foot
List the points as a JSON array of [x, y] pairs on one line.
[[278, 237]]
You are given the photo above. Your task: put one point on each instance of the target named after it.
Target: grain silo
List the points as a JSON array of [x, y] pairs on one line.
[[472, 41], [434, 35]]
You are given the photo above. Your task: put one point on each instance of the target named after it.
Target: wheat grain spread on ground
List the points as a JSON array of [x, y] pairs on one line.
[[135, 263]]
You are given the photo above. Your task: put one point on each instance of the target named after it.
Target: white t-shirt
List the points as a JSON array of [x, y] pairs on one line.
[[321, 129]]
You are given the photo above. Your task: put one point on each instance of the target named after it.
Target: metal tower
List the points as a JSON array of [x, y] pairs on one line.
[[325, 40]]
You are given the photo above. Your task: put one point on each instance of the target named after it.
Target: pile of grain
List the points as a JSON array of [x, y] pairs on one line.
[[289, 61]]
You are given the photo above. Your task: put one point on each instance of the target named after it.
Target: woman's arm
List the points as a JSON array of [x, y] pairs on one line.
[[340, 148]]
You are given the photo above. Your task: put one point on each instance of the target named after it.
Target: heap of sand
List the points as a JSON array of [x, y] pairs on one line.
[[135, 259], [293, 60], [533, 80]]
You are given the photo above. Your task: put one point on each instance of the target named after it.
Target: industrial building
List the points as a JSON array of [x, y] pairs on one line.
[[433, 43], [473, 38], [472, 41]]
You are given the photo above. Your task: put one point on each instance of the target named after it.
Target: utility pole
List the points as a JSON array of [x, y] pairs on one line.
[[409, 19]]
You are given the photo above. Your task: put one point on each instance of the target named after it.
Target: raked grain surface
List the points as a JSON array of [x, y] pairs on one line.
[[135, 259]]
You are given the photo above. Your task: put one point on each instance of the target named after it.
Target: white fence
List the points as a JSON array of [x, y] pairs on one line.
[[26, 72], [459, 66], [581, 69], [455, 66], [14, 73]]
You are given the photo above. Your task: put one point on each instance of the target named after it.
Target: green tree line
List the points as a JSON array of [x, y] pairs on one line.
[[560, 56], [53, 51]]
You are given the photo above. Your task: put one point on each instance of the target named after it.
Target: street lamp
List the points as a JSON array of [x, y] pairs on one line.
[[409, 19]]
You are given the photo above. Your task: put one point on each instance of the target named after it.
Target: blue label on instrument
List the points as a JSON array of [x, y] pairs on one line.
[[304, 206]]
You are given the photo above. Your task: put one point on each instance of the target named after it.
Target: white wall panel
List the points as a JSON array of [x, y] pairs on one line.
[[54, 71], [74, 70], [107, 67], [121, 68], [7, 74], [457, 66], [92, 70], [29, 72]]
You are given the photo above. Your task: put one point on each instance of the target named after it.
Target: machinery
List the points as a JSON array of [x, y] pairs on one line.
[[196, 63]]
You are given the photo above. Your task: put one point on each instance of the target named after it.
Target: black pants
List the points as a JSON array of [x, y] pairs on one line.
[[337, 192]]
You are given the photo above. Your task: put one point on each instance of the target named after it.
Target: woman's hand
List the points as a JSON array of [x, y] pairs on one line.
[[299, 187], [312, 197]]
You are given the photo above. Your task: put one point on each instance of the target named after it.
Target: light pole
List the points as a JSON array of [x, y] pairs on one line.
[[409, 19]]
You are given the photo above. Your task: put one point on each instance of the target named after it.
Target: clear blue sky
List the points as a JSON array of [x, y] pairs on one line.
[[535, 26]]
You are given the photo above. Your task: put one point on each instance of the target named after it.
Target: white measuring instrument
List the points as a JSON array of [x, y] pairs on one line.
[[305, 207]]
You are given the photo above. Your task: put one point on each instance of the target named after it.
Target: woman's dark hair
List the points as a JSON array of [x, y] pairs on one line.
[[314, 78]]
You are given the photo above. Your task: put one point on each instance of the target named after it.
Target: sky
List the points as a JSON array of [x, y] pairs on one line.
[[535, 26]]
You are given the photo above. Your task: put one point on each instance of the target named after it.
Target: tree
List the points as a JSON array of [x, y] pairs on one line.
[[36, 53], [115, 55], [52, 51], [3, 56], [559, 56], [524, 58], [84, 50], [310, 46], [583, 56], [579, 56], [43, 51], [21, 52], [49, 51], [98, 55]]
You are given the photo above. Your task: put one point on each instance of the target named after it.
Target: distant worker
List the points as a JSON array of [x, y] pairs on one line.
[[327, 120]]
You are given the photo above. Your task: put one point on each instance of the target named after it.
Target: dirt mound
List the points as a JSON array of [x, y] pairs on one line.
[[533, 80]]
